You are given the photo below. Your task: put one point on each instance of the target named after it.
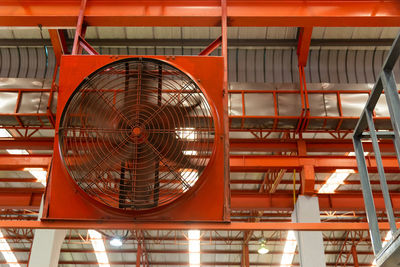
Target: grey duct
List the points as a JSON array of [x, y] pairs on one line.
[[261, 65]]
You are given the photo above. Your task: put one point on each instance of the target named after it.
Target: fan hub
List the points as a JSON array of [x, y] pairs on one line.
[[136, 131]]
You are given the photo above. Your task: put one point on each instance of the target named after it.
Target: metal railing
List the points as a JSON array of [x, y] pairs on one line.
[[365, 129]]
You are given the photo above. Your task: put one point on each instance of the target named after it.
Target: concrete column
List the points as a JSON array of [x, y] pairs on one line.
[[46, 246], [310, 243]]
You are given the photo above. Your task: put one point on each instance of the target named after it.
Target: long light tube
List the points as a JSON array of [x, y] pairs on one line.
[[335, 180], [99, 248], [289, 249], [7, 252], [194, 248]]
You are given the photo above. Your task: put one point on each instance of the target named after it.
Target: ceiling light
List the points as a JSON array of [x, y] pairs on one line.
[[17, 151], [335, 180], [289, 250], [186, 133], [99, 248], [263, 247], [39, 173], [116, 241], [7, 252], [352, 154], [190, 177], [4, 133], [194, 248], [190, 152]]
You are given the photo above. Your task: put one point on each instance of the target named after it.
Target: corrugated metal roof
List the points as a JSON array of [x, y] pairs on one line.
[[207, 33]]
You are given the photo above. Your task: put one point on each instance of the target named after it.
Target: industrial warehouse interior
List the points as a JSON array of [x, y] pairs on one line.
[[199, 133]]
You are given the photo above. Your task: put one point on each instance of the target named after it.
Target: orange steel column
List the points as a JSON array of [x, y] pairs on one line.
[[303, 49], [303, 46], [225, 95], [245, 255], [307, 180], [79, 26], [138, 254], [355, 257], [58, 42], [307, 172]]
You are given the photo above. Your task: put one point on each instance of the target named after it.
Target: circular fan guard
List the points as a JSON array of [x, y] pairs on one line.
[[136, 134]]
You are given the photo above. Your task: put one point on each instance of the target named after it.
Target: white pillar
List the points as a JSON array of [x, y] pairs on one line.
[[46, 246], [310, 243]]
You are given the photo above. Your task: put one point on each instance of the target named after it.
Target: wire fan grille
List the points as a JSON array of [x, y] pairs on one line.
[[136, 134]]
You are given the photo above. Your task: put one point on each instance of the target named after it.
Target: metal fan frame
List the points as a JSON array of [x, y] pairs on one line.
[[66, 200], [212, 110]]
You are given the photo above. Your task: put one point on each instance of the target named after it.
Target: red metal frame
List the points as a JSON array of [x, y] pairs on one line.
[[236, 145], [194, 206], [240, 163], [233, 226], [240, 201], [297, 13]]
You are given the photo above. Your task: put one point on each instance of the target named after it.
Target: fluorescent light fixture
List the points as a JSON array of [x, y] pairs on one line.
[[4, 133], [17, 151], [190, 152], [99, 248], [384, 243], [116, 241], [194, 247], [186, 133], [7, 252], [190, 177], [352, 154], [335, 180], [39, 173], [289, 250]]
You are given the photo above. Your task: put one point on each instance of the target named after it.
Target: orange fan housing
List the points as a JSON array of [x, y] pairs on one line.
[[205, 201]]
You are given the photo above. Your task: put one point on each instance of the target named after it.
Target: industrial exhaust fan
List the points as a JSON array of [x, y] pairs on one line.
[[138, 139]]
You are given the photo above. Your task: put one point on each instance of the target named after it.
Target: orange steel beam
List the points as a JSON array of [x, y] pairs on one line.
[[19, 162], [20, 199], [237, 145], [30, 197], [242, 163], [312, 145], [234, 226], [183, 251], [181, 263], [260, 182], [327, 202], [28, 144], [247, 163], [295, 13]]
